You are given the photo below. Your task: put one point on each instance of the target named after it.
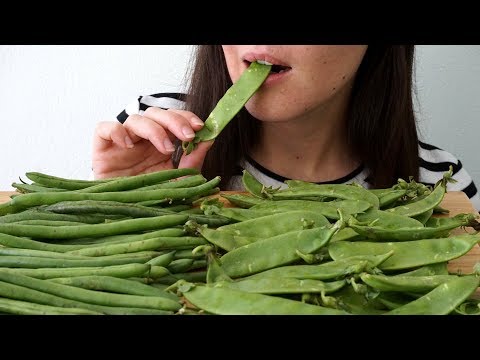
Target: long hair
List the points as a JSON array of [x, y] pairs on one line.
[[381, 125]]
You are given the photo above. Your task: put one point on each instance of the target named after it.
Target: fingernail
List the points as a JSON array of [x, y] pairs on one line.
[[188, 132], [168, 145], [197, 121], [128, 142]]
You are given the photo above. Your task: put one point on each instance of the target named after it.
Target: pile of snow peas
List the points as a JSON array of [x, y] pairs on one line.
[[92, 247], [335, 249]]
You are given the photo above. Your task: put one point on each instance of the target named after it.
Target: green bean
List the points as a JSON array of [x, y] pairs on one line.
[[141, 245], [210, 220], [49, 222], [105, 207], [180, 265], [177, 208], [114, 285], [337, 191], [198, 264], [31, 262], [443, 299], [115, 239], [192, 276], [187, 254], [242, 201], [122, 271], [7, 251], [24, 201], [230, 104], [37, 214], [29, 188], [327, 209], [272, 286], [90, 296], [162, 260], [7, 208], [63, 183], [157, 272], [401, 283], [152, 203], [184, 182], [28, 308], [327, 271], [139, 181], [25, 243], [276, 251], [13, 291], [224, 301], [408, 254], [94, 230], [427, 203]]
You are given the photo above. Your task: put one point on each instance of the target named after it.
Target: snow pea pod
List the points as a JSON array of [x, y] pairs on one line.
[[327, 271], [225, 301], [273, 286], [407, 234], [230, 104], [242, 200], [424, 217], [337, 191], [443, 299], [276, 251], [408, 254], [328, 209], [387, 220], [428, 202], [401, 283]]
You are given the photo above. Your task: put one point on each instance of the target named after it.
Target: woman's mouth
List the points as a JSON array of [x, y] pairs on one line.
[[277, 72]]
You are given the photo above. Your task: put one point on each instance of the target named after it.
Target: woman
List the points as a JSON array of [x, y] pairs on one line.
[[325, 114]]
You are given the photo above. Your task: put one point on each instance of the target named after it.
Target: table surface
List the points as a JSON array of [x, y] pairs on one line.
[[456, 202]]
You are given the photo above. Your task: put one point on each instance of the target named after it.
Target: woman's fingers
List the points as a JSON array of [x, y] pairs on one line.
[[196, 158], [107, 132], [182, 124], [148, 129]]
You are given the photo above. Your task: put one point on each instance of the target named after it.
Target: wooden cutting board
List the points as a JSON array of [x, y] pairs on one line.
[[455, 201]]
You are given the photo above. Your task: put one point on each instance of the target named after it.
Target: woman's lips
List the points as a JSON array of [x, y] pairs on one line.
[[281, 71], [276, 77]]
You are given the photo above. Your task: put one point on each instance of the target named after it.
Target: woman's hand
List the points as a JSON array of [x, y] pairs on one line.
[[144, 143]]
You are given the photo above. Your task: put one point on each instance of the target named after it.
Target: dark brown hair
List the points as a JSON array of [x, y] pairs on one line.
[[381, 125]]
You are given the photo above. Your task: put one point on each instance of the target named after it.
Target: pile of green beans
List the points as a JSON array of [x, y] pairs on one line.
[[111, 246], [306, 249]]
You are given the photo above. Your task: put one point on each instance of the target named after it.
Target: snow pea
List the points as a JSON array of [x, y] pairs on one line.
[[230, 104]]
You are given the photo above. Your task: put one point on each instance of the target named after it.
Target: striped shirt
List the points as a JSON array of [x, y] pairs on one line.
[[434, 162]]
